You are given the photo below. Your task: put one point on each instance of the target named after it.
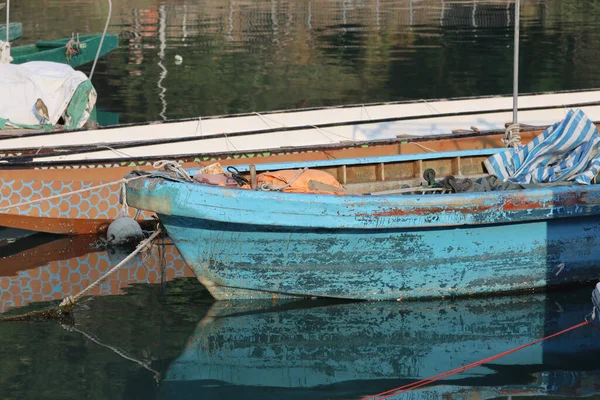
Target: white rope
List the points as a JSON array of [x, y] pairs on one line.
[[431, 108], [423, 147], [266, 187], [58, 196], [366, 112], [199, 126], [264, 119], [320, 130], [229, 142], [124, 206], [324, 133], [101, 40], [512, 136], [117, 152], [174, 167], [70, 300]]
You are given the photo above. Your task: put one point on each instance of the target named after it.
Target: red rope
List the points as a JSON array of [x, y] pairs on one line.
[[427, 381]]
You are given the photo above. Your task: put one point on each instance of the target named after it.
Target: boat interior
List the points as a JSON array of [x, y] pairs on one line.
[[431, 173]]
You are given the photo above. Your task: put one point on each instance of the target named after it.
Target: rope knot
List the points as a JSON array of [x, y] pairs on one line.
[[512, 136], [124, 206], [67, 302], [173, 166], [72, 47]]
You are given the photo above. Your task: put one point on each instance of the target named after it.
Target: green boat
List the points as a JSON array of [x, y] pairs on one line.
[[73, 51], [15, 31]]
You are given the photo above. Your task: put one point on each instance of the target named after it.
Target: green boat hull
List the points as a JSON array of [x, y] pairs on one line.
[[56, 50], [15, 31]]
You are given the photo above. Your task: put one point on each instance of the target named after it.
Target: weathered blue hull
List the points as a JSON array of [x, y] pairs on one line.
[[254, 261], [317, 351], [253, 244]]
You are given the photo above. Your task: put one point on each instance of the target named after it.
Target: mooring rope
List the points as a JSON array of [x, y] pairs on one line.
[[320, 130], [63, 313], [101, 40], [427, 381], [70, 300]]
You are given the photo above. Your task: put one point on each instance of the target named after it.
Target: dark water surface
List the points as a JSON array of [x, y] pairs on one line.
[[242, 56], [153, 332]]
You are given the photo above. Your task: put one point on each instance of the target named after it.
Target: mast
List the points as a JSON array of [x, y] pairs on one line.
[[516, 64], [7, 20]]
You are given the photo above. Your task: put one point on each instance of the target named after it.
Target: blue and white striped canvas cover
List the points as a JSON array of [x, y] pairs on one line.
[[567, 151]]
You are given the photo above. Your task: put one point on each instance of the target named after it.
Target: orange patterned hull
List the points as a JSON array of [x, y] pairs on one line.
[[89, 212], [66, 266]]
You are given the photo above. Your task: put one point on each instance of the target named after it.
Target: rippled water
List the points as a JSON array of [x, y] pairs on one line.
[[241, 56]]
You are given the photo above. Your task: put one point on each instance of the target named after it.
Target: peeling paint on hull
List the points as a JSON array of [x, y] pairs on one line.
[[262, 262]]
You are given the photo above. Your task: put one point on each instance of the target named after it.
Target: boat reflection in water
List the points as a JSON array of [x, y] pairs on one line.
[[318, 349], [292, 349], [45, 267]]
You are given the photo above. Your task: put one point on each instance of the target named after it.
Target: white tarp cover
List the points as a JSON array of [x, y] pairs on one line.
[[5, 57], [54, 83]]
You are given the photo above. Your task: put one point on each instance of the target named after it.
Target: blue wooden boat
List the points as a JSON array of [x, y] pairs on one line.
[[365, 245]]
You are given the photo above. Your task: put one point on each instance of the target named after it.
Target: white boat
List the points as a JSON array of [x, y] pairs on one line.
[[300, 127]]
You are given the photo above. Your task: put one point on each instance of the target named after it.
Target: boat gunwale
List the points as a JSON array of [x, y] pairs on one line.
[[51, 45], [342, 199], [21, 53], [82, 38], [362, 211]]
